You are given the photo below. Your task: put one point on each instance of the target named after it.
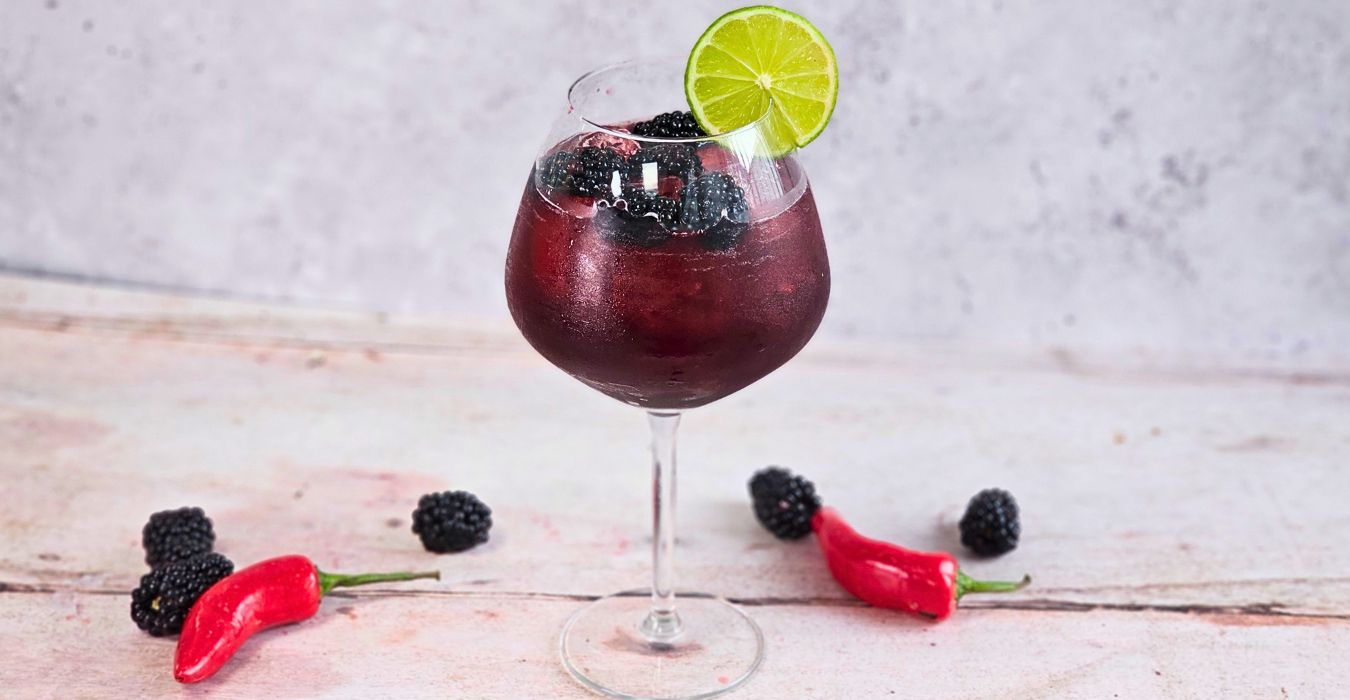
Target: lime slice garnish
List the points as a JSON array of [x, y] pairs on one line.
[[757, 58]]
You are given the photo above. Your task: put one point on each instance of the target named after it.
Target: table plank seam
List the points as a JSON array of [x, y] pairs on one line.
[[1271, 609], [1226, 583]]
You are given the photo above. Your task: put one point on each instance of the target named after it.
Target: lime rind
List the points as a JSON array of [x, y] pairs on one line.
[[763, 59]]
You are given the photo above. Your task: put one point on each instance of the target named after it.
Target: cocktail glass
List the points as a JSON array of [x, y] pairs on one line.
[[665, 272]]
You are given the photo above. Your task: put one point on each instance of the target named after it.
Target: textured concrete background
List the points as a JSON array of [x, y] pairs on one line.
[[1157, 177]]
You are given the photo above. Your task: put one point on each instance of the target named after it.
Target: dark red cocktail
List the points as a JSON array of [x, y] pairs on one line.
[[651, 304], [669, 262]]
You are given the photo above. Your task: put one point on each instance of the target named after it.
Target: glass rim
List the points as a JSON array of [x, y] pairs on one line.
[[754, 125]]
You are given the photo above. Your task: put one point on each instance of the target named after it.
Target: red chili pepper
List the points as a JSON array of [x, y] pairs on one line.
[[269, 593], [888, 576]]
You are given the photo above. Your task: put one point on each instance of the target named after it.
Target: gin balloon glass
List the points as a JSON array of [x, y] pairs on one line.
[[665, 268]]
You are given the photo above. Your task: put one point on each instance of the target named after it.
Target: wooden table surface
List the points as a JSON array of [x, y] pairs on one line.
[[1188, 531]]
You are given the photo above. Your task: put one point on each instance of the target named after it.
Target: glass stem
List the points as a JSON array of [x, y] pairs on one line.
[[663, 623]]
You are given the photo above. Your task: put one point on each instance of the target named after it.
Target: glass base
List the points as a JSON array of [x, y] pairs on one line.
[[717, 649]]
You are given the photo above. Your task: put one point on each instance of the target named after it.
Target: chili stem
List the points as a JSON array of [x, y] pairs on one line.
[[966, 584], [328, 582]]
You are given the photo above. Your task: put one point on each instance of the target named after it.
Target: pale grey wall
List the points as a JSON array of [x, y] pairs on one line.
[[1165, 176]]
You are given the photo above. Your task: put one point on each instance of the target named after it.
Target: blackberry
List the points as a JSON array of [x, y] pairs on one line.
[[162, 601], [555, 172], [672, 160], [451, 521], [709, 199], [641, 204], [587, 171], [175, 535], [670, 125], [784, 502], [595, 170], [990, 525], [642, 218], [628, 228]]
